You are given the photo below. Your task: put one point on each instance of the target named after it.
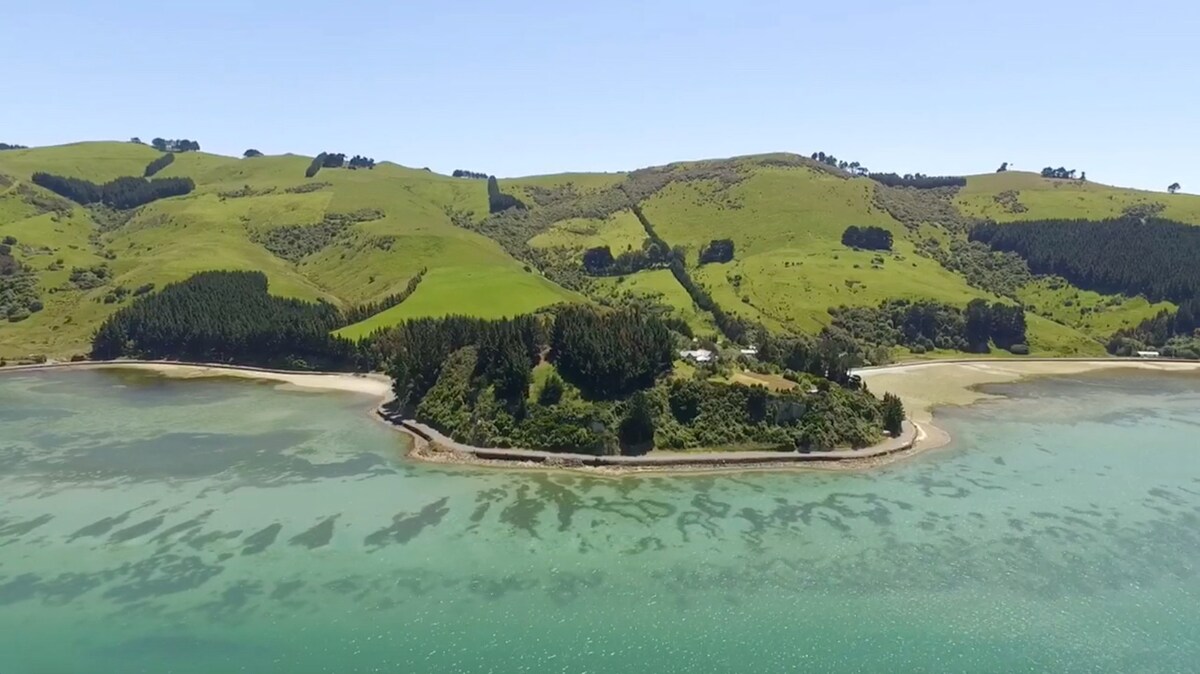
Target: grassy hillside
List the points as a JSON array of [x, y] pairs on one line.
[[790, 265], [349, 237], [402, 226], [1019, 195]]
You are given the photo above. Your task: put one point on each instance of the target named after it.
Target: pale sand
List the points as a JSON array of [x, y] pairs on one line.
[[370, 384], [924, 386]]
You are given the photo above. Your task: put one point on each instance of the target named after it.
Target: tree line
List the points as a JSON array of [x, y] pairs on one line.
[[499, 201], [918, 180], [11, 146], [158, 164], [599, 261], [869, 238], [734, 327], [366, 310], [121, 193], [180, 145], [226, 316], [926, 325], [474, 175], [1154, 257]]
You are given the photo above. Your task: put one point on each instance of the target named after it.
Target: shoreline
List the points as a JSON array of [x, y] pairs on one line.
[[431, 446], [923, 386]]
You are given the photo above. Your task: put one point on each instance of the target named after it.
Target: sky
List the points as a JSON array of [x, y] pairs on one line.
[[522, 87]]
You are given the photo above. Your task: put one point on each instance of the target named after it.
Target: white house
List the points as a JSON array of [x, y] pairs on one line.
[[750, 351], [698, 355]]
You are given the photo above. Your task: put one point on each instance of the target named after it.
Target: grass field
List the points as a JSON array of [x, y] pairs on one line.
[[620, 233], [790, 266], [658, 285], [786, 222], [488, 292]]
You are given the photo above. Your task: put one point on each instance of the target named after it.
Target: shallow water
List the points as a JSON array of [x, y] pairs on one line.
[[151, 525]]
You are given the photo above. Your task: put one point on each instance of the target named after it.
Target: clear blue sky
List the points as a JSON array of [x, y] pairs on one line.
[[522, 87]]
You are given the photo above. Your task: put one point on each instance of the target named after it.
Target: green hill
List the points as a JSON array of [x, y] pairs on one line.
[[402, 226], [355, 236]]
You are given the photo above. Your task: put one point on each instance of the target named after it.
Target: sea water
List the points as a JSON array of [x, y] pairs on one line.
[[201, 526]]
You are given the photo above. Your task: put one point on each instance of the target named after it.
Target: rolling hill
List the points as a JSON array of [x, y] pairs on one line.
[[354, 236]]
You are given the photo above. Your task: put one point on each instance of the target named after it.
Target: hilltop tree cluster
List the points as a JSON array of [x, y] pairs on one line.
[[1134, 256], [337, 160], [918, 180], [473, 175], [10, 146], [251, 153], [927, 325], [1061, 173], [226, 316], [121, 193], [1174, 187], [180, 145], [717, 250], [869, 237], [848, 166]]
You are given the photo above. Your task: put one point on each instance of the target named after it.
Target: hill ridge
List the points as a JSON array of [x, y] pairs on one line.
[[783, 213]]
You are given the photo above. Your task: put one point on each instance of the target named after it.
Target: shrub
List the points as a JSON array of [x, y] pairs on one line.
[[552, 391], [869, 238], [717, 250]]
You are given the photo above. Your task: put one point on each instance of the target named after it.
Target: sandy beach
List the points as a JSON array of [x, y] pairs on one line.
[[925, 386], [369, 384]]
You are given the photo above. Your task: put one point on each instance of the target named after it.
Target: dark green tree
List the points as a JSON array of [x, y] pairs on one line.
[[637, 426], [978, 325], [893, 414]]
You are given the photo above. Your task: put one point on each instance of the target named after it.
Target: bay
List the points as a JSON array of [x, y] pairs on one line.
[[157, 525]]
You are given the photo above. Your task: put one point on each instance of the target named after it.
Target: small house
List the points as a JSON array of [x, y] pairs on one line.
[[698, 355]]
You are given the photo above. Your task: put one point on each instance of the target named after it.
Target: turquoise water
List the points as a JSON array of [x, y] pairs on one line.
[[150, 525]]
